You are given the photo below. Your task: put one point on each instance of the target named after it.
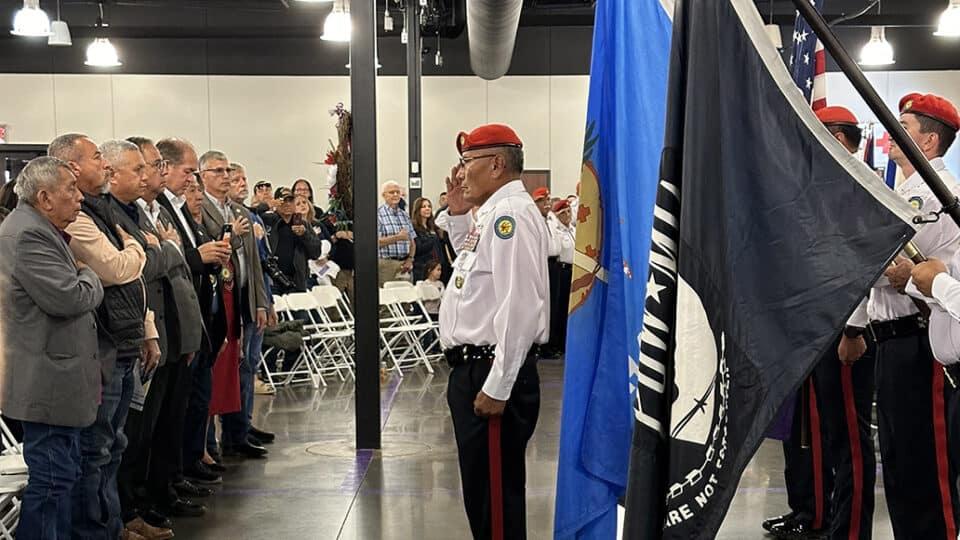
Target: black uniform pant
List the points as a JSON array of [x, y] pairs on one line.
[[807, 477], [559, 304], [912, 394], [845, 396], [517, 425]]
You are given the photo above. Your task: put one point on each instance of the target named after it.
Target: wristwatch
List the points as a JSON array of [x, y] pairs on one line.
[[852, 332]]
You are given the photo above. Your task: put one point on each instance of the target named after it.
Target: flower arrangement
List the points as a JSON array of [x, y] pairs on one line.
[[340, 176]]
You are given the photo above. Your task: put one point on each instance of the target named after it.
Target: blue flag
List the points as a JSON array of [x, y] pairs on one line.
[[624, 136], [890, 177]]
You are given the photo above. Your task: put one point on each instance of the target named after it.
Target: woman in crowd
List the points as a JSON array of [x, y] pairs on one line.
[[303, 188], [292, 240], [429, 241]]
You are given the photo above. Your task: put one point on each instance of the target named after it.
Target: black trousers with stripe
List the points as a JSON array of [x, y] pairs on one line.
[[912, 393], [517, 425], [845, 395], [806, 476]]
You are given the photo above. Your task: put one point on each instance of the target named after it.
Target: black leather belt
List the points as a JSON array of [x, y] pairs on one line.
[[465, 354], [897, 328], [397, 258]]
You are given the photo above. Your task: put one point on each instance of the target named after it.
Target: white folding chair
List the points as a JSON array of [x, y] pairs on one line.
[[13, 480], [334, 331], [301, 371], [402, 327]]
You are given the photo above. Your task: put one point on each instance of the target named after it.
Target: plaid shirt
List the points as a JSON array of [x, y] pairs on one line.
[[391, 221]]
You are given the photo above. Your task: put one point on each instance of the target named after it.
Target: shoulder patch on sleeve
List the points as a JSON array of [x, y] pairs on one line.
[[505, 226]]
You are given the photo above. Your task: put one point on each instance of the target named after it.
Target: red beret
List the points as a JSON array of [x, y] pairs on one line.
[[836, 116], [540, 193], [931, 106], [560, 205], [488, 136]]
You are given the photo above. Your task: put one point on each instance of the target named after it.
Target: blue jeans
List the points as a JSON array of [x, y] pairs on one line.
[[96, 502], [52, 454], [237, 425]]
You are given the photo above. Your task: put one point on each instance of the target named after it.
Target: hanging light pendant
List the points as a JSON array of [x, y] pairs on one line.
[[949, 21], [337, 27], [59, 32], [31, 21], [102, 53], [877, 51]]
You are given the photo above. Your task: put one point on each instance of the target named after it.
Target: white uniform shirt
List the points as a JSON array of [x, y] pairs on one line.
[[498, 292], [567, 237], [940, 239], [944, 326]]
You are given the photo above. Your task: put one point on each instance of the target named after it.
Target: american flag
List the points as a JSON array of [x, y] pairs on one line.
[[808, 61]]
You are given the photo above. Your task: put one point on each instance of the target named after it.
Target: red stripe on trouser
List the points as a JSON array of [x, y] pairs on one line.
[[856, 457], [940, 438], [817, 458], [496, 478]]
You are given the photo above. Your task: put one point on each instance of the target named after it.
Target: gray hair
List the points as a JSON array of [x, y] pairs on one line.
[[113, 150], [140, 142], [236, 166], [172, 150], [211, 155], [388, 183], [513, 159], [64, 147], [40, 174]]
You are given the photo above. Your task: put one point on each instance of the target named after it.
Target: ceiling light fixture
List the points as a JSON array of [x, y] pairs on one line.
[[337, 26], [101, 53], [950, 21], [31, 21], [59, 32], [877, 51]]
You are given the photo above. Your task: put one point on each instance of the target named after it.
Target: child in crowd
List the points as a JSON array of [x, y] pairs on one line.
[[433, 288]]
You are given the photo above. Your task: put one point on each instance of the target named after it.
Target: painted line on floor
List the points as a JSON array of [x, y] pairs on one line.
[[361, 463]]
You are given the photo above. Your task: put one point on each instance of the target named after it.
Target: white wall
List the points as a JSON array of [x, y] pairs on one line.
[[278, 126], [892, 85]]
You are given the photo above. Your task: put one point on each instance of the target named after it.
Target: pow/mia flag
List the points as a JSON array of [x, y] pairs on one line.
[[767, 234]]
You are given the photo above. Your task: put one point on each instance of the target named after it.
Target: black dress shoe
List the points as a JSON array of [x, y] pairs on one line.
[[246, 450], [155, 519], [185, 488], [199, 473], [796, 530], [216, 467], [183, 508], [769, 523], [262, 436]]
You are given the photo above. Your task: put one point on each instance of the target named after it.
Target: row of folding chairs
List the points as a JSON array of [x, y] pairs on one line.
[[327, 344], [13, 480], [408, 336]]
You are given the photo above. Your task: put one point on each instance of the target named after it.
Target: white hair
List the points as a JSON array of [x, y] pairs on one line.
[[388, 183], [113, 150], [40, 174], [211, 155]]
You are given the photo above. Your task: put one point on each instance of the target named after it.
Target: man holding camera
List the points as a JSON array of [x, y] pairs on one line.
[[292, 241]]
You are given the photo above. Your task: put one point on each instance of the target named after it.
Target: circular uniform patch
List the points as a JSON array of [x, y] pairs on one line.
[[916, 202], [505, 227]]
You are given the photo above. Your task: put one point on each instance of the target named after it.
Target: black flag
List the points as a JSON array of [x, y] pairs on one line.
[[767, 234]]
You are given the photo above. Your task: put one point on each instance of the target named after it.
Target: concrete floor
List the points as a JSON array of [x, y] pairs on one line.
[[313, 486]]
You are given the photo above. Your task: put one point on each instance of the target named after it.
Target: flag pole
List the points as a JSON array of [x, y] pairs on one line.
[[889, 122]]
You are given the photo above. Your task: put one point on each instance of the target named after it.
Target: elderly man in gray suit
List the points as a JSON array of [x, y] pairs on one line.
[[218, 210], [50, 371]]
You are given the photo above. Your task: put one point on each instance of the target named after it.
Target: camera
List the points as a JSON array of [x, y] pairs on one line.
[[272, 268]]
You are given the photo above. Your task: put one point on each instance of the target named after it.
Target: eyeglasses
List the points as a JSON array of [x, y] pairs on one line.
[[220, 171], [160, 165], [465, 160]]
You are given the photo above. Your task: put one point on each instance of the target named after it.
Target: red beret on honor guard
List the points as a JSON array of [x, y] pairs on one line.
[[836, 116], [560, 205], [488, 136], [931, 106], [540, 193]]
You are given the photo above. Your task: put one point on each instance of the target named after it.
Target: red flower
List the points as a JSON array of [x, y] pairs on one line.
[[331, 158]]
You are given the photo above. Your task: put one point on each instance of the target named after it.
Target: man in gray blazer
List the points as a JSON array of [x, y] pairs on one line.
[[218, 210], [51, 375]]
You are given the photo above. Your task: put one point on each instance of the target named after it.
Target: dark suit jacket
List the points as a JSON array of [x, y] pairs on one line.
[[213, 222], [190, 252], [160, 261], [184, 325], [51, 374]]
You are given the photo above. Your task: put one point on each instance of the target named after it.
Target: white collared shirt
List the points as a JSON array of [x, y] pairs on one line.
[[152, 210], [940, 239], [178, 203], [498, 294]]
